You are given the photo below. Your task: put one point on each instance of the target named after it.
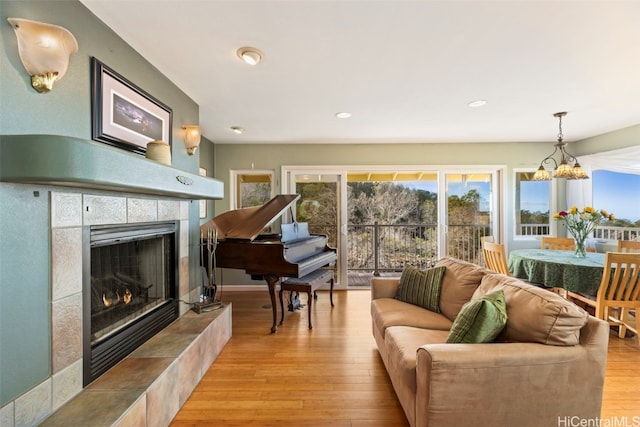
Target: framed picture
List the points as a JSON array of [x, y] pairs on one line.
[[203, 203], [124, 115]]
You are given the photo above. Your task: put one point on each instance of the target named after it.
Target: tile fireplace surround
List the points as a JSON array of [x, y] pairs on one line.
[[180, 354], [91, 184]]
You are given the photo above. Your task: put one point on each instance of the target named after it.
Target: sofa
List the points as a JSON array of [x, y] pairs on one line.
[[545, 367]]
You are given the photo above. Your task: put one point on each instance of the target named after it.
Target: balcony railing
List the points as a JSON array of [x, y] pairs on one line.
[[388, 248], [379, 248], [616, 233], [534, 229]]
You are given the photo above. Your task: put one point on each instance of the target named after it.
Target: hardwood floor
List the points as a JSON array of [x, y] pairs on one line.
[[332, 375]]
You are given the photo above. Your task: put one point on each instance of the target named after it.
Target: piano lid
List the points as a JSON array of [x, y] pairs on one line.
[[247, 223]]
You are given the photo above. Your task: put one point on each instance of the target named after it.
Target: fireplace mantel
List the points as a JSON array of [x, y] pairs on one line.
[[79, 163]]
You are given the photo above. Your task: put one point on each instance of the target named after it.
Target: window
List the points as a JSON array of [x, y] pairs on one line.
[[617, 193], [251, 188], [532, 205]]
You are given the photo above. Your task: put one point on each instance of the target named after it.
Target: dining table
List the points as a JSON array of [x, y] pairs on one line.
[[558, 269]]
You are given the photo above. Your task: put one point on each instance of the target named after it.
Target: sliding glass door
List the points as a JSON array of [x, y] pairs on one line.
[[320, 206], [469, 214], [380, 218]]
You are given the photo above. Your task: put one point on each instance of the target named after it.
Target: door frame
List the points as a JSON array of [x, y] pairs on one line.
[[287, 186], [498, 202]]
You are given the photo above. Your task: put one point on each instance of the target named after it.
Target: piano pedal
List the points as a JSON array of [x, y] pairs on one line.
[[294, 302]]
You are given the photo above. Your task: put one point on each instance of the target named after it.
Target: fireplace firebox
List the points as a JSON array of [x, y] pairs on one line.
[[130, 290]]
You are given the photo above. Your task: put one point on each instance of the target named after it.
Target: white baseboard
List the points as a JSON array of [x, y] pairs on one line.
[[247, 288]]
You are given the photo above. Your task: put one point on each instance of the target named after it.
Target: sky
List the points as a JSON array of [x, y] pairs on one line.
[[617, 193]]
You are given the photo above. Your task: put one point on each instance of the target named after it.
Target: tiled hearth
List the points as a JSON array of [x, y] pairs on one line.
[[155, 379], [152, 383]]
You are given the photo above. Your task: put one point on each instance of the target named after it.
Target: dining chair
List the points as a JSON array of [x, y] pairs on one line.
[[495, 257], [618, 293], [558, 243], [628, 246], [487, 239]]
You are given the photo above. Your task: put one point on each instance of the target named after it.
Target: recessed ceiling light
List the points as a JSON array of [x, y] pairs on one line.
[[237, 129], [477, 103], [250, 55], [343, 115]]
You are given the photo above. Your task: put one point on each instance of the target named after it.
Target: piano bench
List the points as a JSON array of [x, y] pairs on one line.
[[309, 283]]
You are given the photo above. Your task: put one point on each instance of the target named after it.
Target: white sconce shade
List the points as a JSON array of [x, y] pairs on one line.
[[191, 138], [44, 50]]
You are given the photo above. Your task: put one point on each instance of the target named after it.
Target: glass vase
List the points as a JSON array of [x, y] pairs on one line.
[[580, 237], [581, 250]]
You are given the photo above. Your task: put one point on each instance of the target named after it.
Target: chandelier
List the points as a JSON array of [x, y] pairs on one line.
[[568, 167]]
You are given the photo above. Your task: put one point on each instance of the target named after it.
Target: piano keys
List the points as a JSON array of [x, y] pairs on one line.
[[242, 246]]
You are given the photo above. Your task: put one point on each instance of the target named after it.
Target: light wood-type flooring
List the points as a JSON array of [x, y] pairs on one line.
[[332, 375]]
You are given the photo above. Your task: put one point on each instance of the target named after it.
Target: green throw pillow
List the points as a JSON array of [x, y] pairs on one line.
[[480, 320], [421, 287]]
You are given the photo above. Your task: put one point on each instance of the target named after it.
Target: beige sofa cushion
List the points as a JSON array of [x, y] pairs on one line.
[[460, 281], [402, 343], [535, 314], [386, 312]]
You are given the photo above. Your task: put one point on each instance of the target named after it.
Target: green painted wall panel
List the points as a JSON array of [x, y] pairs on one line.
[[24, 289], [24, 352]]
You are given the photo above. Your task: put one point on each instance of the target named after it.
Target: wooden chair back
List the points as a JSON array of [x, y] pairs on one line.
[[495, 257], [619, 291], [628, 246], [620, 288], [558, 243]]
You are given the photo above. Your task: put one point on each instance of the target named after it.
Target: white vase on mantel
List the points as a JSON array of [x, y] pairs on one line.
[[159, 151]]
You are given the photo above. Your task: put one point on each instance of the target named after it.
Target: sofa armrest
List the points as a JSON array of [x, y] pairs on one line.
[[384, 287], [524, 384]]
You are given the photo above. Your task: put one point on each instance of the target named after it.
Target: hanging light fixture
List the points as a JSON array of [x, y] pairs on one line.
[[568, 167]]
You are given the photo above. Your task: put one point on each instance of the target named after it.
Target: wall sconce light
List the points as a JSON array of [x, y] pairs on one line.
[[44, 51], [191, 138]]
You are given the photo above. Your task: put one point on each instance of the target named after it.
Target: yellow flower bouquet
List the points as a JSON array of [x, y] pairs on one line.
[[581, 223]]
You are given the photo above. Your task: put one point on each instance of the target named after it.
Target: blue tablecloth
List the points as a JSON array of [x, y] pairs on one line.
[[561, 269]]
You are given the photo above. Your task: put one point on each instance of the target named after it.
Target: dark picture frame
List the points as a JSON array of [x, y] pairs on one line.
[[123, 115]]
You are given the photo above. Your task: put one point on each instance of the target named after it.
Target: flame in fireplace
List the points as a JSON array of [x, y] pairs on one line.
[[127, 296], [109, 301], [106, 300]]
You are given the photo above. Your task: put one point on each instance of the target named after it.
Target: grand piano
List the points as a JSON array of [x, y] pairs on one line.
[[242, 245]]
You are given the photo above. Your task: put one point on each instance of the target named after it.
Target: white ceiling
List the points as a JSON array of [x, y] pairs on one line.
[[406, 70]]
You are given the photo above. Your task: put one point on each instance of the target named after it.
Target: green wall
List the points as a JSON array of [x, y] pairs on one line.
[[207, 150], [25, 339], [514, 155], [273, 156], [622, 138], [24, 243]]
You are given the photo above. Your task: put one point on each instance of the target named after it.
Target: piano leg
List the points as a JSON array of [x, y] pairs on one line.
[[271, 282]]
